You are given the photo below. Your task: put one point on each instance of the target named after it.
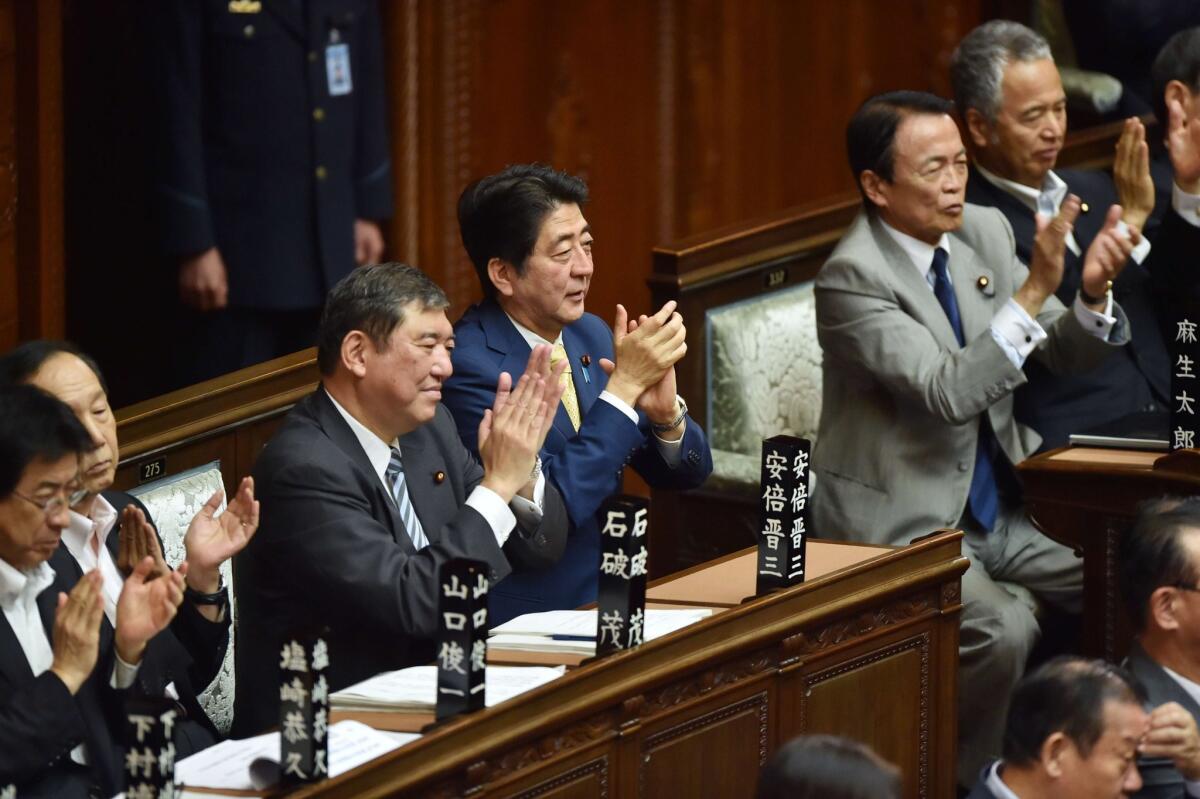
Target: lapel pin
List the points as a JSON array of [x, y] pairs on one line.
[[984, 284], [586, 360], [439, 477], [1083, 208]]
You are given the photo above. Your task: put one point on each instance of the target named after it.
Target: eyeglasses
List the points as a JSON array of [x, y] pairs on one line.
[[60, 501]]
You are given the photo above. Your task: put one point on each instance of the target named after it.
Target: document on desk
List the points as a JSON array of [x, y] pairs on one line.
[[575, 630], [414, 690], [226, 766]]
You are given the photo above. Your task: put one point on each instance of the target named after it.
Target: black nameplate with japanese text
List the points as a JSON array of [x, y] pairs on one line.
[[461, 637], [621, 610], [783, 533], [304, 708], [1185, 353], [150, 748]]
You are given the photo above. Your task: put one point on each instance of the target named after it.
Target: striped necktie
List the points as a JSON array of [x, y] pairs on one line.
[[570, 399], [408, 514]]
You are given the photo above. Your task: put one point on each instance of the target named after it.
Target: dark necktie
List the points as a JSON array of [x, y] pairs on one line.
[[983, 499]]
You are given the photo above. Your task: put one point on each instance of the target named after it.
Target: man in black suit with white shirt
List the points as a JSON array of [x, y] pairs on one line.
[[367, 491]]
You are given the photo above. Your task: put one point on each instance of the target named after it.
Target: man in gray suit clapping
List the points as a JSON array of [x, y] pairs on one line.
[[926, 316]]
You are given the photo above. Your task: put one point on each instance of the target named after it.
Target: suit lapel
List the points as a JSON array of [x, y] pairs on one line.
[[504, 338], [343, 437], [1158, 682], [975, 307], [912, 287], [422, 462], [13, 664]]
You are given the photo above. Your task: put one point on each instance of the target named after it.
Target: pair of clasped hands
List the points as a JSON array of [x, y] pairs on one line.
[[1110, 250], [147, 604], [513, 430]]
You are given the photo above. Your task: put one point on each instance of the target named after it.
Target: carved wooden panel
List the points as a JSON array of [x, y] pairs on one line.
[[589, 780], [870, 698], [678, 759]]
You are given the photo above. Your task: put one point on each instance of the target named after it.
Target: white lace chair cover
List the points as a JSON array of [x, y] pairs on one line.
[[173, 502], [764, 367]]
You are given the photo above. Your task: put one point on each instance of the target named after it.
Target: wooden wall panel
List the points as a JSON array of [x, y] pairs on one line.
[[683, 115], [9, 302]]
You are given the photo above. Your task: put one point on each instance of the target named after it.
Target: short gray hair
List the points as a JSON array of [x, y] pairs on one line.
[[977, 66], [372, 299]]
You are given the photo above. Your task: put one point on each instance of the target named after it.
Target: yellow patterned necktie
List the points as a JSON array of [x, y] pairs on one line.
[[569, 399]]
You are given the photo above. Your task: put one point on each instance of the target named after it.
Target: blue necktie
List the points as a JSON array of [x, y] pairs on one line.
[[408, 514], [983, 499]]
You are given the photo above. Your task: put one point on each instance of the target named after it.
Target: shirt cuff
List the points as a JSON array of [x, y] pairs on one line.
[[529, 513], [123, 674], [1016, 332], [671, 451], [1186, 205], [495, 512], [620, 405], [1141, 250], [1096, 323]]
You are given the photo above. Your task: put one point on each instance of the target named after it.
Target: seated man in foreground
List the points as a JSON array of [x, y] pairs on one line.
[[110, 531], [1074, 730], [63, 676], [532, 248], [367, 491], [925, 317], [1160, 583]]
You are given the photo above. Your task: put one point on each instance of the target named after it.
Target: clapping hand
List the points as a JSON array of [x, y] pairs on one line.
[[1107, 255], [77, 631], [513, 429], [646, 351], [1182, 146], [211, 540], [1131, 173], [145, 608], [138, 541], [1046, 265], [1172, 734]]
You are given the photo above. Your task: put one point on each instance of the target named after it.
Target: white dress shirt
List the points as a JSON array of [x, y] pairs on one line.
[[1013, 330], [86, 539], [499, 516], [1186, 205], [671, 451], [996, 785], [1049, 199]]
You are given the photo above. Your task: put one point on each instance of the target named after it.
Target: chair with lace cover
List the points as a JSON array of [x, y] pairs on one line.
[[173, 502]]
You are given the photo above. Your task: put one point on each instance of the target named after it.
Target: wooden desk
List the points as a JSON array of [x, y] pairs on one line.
[[868, 647], [1086, 498]]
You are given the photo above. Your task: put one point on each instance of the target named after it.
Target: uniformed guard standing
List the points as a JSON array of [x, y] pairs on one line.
[[272, 166]]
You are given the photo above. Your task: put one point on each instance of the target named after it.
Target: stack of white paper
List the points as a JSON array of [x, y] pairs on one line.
[[226, 766], [415, 689], [574, 631]]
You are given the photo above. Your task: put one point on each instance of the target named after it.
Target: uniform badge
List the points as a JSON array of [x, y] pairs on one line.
[[245, 6]]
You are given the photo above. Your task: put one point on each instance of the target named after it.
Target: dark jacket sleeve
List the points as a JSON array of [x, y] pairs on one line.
[[372, 162], [39, 725], [176, 70]]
